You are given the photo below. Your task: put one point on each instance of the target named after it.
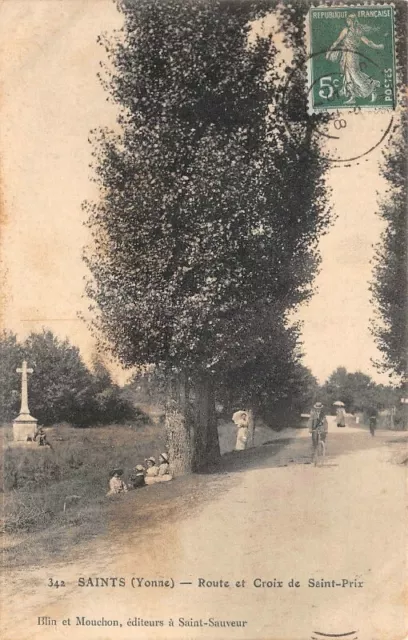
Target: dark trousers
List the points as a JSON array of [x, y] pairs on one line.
[[314, 437]]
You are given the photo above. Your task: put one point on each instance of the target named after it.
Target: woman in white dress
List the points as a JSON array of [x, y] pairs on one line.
[[241, 420], [356, 83]]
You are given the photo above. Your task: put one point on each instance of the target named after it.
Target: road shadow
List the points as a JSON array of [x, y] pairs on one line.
[[264, 456], [398, 440]]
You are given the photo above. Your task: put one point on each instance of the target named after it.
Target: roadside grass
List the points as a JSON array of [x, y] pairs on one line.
[[39, 481], [128, 515], [66, 485]]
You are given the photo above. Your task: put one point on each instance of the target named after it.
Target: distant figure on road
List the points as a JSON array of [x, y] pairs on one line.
[[116, 484], [341, 417], [240, 419], [317, 421], [373, 423]]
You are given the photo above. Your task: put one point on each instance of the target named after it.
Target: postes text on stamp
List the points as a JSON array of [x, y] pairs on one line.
[[351, 57]]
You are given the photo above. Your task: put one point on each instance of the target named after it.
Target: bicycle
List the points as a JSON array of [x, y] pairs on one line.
[[319, 447]]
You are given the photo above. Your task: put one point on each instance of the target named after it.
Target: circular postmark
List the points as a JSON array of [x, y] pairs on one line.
[[348, 129]]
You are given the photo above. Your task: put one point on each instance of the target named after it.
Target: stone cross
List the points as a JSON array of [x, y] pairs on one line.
[[24, 387]]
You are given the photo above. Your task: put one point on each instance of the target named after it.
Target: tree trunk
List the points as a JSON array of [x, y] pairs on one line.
[[192, 435], [207, 446], [179, 428], [251, 428]]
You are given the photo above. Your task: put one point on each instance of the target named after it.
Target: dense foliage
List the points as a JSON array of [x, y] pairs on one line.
[[358, 391], [206, 230], [272, 381], [390, 287], [11, 356], [62, 388]]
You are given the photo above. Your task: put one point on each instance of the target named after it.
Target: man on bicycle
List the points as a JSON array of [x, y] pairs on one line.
[[318, 422]]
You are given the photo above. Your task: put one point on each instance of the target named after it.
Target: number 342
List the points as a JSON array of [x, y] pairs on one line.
[[55, 583]]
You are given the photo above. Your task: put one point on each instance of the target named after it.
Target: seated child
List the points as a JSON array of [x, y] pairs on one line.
[[116, 484], [137, 479], [160, 473], [42, 437], [164, 468], [152, 470]]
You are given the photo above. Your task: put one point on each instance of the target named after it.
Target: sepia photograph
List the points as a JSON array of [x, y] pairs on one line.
[[204, 320]]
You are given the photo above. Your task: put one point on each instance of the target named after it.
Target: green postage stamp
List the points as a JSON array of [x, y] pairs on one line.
[[351, 57]]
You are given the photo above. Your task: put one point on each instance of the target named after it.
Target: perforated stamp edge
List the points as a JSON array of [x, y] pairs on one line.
[[308, 40]]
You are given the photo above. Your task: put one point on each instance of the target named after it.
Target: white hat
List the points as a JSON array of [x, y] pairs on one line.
[[165, 457], [151, 459]]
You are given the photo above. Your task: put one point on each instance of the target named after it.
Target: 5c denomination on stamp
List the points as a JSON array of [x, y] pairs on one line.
[[351, 58]]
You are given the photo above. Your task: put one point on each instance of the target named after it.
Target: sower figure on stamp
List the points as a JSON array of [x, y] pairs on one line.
[[356, 83]]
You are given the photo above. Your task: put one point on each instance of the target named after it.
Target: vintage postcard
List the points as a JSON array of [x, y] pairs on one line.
[[204, 303]]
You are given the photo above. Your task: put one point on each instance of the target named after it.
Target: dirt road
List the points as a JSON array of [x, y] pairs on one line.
[[272, 543]]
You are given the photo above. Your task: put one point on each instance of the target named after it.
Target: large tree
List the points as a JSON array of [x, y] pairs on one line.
[[390, 286], [206, 228]]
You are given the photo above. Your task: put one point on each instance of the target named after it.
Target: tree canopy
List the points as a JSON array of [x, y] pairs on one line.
[[358, 391], [200, 238], [390, 285], [61, 378]]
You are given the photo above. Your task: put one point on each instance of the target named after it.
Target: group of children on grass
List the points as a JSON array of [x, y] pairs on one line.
[[142, 475], [151, 473]]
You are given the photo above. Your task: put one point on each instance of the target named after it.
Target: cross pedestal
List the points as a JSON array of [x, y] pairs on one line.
[[24, 426]]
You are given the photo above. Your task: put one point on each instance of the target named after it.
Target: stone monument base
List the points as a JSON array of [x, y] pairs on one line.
[[24, 428], [19, 444]]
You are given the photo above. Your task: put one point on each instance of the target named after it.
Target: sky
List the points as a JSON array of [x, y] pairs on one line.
[[51, 99]]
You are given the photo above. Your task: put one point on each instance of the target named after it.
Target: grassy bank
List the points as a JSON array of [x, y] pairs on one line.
[[38, 481]]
